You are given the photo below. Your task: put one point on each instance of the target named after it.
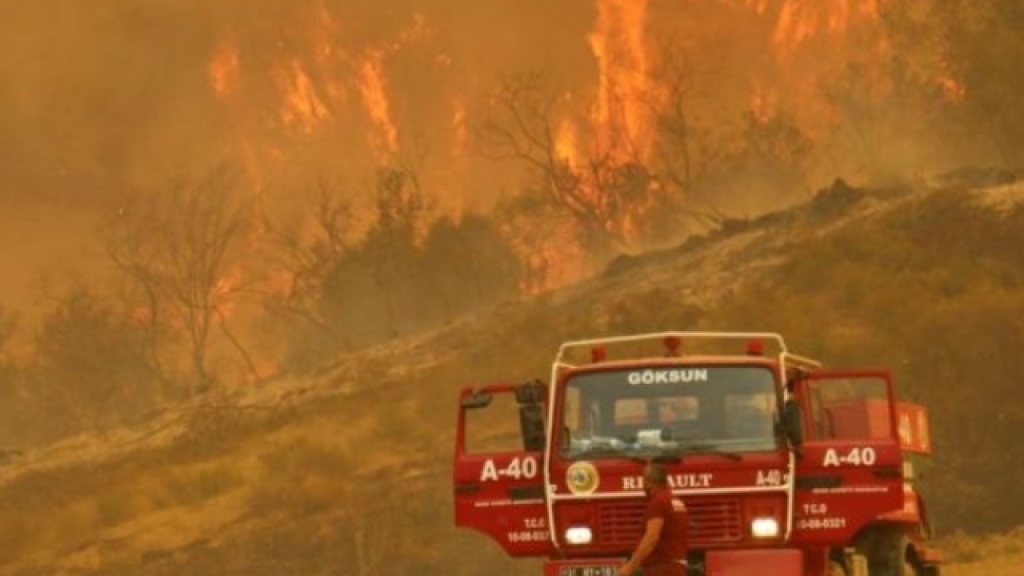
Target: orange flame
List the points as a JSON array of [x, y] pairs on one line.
[[302, 105], [759, 6], [551, 259], [460, 127], [622, 120], [329, 56], [566, 143], [222, 290], [799, 45], [764, 104], [223, 70], [801, 20], [952, 87], [375, 100]]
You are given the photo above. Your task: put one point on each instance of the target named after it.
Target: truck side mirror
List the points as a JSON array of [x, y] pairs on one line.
[[792, 424], [477, 399], [531, 392], [531, 426]]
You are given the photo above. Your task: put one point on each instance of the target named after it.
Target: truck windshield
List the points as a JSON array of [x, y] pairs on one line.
[[669, 412]]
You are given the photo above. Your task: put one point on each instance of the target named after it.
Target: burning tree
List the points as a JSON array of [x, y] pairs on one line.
[[306, 249], [603, 193], [180, 252], [632, 186]]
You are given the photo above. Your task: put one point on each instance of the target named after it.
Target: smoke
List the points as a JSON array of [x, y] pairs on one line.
[[115, 96], [109, 97]]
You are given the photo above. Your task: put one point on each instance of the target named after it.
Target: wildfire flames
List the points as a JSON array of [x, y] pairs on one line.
[[223, 70], [332, 87], [626, 93], [302, 107], [385, 170], [375, 99], [622, 120], [801, 20]]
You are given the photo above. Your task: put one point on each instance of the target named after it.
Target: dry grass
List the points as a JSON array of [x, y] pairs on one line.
[[282, 482], [1010, 565], [1001, 554]]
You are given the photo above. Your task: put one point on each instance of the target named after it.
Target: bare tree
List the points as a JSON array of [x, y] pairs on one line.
[[352, 289], [389, 249], [310, 249], [607, 192], [179, 248], [307, 258], [683, 152], [525, 130], [130, 246]]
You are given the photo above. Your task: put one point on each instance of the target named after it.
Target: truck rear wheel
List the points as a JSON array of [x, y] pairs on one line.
[[903, 560], [888, 554], [898, 559]]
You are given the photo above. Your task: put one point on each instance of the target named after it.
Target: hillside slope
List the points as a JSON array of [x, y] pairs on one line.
[[347, 471]]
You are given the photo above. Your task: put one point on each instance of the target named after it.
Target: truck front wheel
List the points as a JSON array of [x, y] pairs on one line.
[[900, 558]]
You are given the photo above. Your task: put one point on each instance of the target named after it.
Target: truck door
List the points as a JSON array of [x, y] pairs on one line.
[[849, 468], [499, 464]]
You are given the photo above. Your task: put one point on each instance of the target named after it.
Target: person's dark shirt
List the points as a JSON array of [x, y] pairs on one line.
[[672, 543]]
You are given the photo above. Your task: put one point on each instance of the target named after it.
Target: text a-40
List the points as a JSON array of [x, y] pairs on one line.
[[517, 469], [856, 456]]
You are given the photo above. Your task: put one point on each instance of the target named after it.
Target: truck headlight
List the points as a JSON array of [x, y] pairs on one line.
[[578, 535], [765, 527]]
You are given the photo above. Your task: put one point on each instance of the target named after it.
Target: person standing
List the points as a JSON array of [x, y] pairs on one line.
[[662, 549]]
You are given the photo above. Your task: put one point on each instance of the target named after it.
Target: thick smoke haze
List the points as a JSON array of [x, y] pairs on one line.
[[103, 98], [109, 98], [249, 247]]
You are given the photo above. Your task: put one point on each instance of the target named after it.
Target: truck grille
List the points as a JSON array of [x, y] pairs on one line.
[[712, 521]]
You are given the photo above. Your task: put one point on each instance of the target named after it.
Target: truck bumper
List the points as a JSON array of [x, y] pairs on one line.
[[584, 567], [759, 562], [766, 562]]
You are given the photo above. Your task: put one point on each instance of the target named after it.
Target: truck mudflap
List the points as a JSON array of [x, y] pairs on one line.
[[777, 562], [583, 567]]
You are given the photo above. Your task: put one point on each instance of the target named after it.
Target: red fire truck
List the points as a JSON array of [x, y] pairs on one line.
[[786, 468]]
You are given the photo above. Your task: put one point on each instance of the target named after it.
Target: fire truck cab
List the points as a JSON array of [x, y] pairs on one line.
[[786, 468]]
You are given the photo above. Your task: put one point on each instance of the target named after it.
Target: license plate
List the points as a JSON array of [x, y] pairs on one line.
[[588, 571]]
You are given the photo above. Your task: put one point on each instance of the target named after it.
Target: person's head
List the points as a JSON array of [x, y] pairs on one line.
[[655, 476]]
